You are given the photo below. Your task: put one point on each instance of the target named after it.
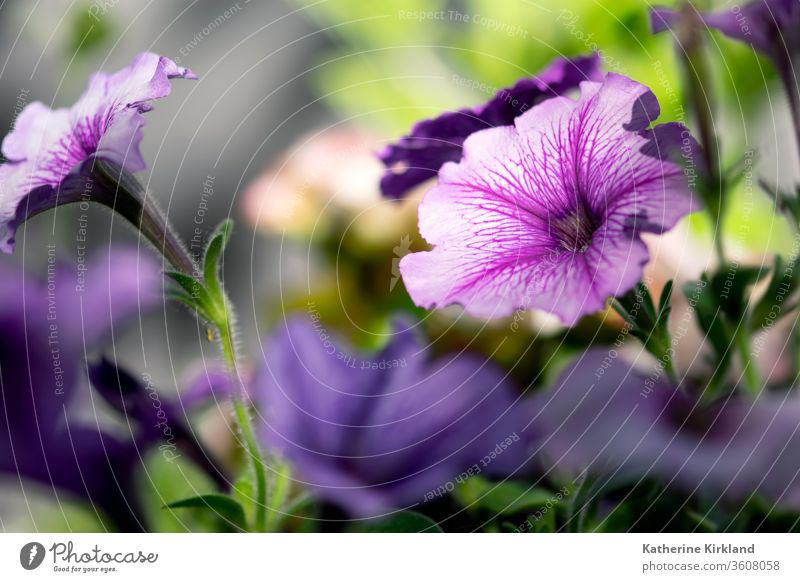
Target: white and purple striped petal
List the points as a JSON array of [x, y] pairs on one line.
[[47, 146]]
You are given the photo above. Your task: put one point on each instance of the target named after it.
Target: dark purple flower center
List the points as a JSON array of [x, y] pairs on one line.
[[574, 230]]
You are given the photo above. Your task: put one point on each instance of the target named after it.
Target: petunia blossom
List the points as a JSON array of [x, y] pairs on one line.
[[604, 415], [47, 325], [770, 26], [376, 432], [418, 156], [548, 213], [51, 152]]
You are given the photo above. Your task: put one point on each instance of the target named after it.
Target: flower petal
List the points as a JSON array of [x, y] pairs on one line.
[[433, 142], [605, 415], [373, 433]]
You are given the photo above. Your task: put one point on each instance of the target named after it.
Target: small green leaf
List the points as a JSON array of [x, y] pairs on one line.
[[646, 324], [638, 308], [403, 522], [243, 491], [189, 284], [538, 523], [195, 289], [731, 288], [299, 505], [646, 299], [664, 306], [624, 314], [703, 522], [224, 507], [187, 300], [773, 304], [506, 498], [219, 239]]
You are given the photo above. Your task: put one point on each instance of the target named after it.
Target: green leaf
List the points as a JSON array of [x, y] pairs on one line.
[[403, 522], [243, 491], [189, 284], [90, 30], [219, 239], [506, 498], [538, 523], [648, 325], [195, 289], [774, 304], [224, 507], [299, 505], [187, 300], [638, 308], [664, 306], [703, 522], [643, 292], [708, 313], [624, 313], [717, 329], [731, 288]]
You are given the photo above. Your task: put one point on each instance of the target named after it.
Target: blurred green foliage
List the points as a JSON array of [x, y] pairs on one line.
[[88, 31]]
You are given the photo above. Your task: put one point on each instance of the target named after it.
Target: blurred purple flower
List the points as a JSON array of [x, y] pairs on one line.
[[770, 26], [373, 433], [547, 214], [50, 152], [433, 142], [617, 421], [46, 327]]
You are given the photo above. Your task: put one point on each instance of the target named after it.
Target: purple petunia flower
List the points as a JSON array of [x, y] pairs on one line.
[[547, 214], [51, 152], [770, 26], [418, 156], [620, 422], [46, 327], [373, 433]]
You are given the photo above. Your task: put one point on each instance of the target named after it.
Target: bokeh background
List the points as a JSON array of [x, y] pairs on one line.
[[280, 133]]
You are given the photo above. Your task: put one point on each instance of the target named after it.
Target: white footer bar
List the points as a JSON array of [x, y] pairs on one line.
[[388, 557]]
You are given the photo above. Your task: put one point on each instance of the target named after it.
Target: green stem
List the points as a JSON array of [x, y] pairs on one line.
[[752, 381], [129, 199], [280, 491], [718, 244], [701, 104], [669, 367], [246, 426]]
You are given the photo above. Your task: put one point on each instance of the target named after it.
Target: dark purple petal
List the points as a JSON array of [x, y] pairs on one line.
[[418, 156], [376, 432], [152, 418]]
